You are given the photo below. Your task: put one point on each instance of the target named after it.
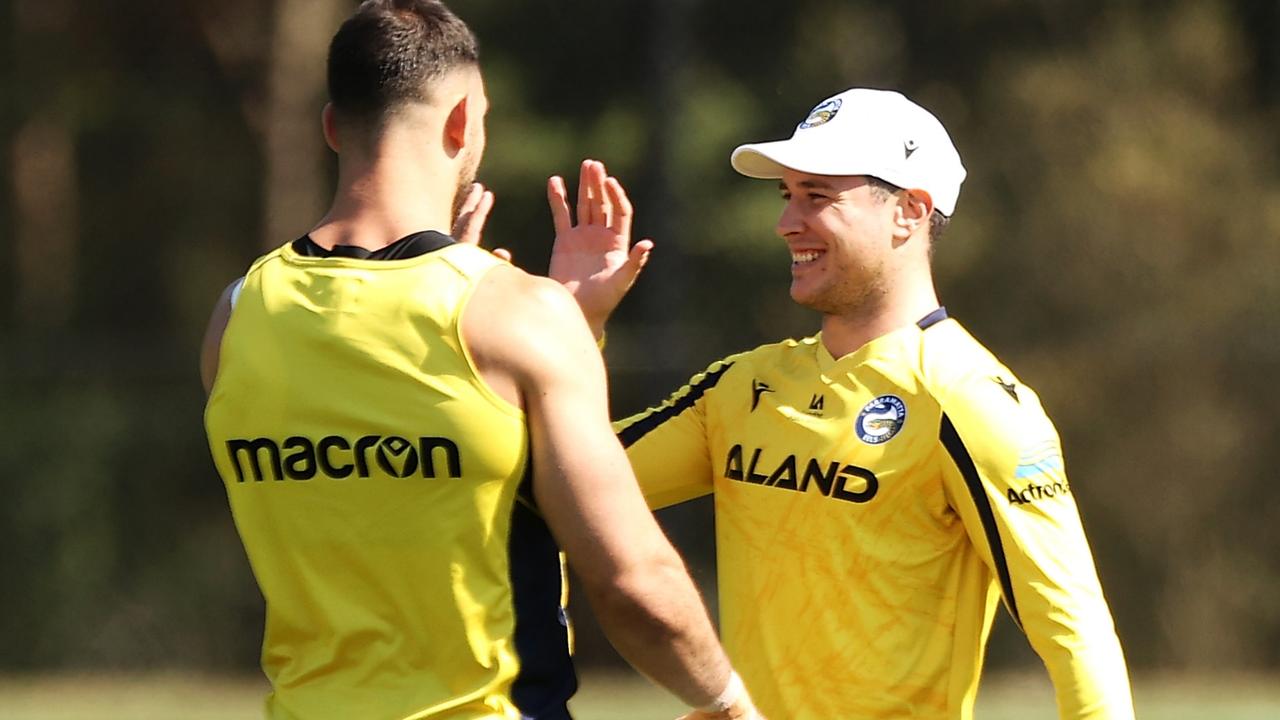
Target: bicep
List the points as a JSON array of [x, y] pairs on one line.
[[582, 482]]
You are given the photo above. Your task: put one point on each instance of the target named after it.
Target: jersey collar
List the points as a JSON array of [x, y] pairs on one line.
[[409, 246], [826, 361], [932, 318]]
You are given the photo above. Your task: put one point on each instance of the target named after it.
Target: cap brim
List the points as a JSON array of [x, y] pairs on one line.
[[768, 160], [765, 160]]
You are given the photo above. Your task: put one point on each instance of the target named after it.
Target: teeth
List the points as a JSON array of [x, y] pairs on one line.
[[805, 256]]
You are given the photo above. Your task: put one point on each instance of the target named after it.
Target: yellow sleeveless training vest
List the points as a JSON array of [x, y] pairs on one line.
[[375, 480]]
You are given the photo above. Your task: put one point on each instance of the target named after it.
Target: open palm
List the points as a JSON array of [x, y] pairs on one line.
[[594, 259]]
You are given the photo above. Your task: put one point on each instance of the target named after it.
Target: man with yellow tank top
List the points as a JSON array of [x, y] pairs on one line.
[[881, 486], [409, 429]]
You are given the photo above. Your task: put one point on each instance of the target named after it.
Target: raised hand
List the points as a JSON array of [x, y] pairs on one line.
[[594, 259], [468, 227]]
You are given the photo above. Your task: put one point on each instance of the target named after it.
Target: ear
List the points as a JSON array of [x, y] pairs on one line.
[[455, 125], [329, 124], [912, 211]]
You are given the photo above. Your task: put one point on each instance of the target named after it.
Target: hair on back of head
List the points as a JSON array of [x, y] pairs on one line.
[[883, 190], [388, 53]]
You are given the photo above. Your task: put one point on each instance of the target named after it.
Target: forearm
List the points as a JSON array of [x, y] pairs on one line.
[[656, 620], [1089, 676], [1067, 621], [1066, 618]]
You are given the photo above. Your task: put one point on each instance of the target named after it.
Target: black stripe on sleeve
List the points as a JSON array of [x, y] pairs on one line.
[[960, 455], [633, 432]]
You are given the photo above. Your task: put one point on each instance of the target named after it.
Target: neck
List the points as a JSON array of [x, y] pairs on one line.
[[391, 193], [843, 333]]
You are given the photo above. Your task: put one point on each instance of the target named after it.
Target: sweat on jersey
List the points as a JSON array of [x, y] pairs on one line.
[[871, 511]]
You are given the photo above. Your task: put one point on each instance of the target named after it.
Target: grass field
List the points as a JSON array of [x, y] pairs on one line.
[[175, 697]]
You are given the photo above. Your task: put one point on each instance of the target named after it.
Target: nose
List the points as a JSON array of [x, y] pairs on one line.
[[789, 222]]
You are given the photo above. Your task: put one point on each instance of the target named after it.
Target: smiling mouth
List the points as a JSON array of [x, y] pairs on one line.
[[804, 257]]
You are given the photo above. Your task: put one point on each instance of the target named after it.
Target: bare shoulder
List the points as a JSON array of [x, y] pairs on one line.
[[510, 298], [213, 334], [524, 322]]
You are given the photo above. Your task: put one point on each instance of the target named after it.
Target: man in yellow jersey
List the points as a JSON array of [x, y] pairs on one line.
[[409, 429], [881, 486]]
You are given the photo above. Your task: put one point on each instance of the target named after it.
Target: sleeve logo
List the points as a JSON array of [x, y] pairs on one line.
[[1041, 467], [1034, 492], [880, 419]]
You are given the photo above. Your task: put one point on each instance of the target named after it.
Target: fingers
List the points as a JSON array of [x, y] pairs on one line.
[[470, 200], [472, 215], [642, 249], [594, 204], [584, 192], [636, 260], [601, 206], [620, 222], [476, 221], [558, 199], [601, 200], [502, 254]]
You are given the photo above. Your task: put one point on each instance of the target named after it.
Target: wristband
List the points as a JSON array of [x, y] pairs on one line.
[[728, 697]]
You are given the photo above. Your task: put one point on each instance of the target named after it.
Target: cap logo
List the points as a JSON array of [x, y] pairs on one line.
[[909, 147], [822, 114]]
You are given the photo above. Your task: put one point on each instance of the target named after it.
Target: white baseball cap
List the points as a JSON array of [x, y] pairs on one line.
[[865, 132]]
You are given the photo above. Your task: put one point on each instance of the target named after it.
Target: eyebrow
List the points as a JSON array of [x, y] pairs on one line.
[[808, 184]]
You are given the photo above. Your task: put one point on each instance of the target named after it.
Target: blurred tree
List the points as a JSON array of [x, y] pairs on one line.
[[1115, 242], [1122, 269], [44, 169], [287, 118], [298, 184]]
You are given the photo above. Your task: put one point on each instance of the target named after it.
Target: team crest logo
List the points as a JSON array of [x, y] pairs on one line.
[[880, 419], [822, 114]]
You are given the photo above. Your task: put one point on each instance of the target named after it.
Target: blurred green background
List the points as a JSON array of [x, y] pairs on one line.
[[1116, 242]]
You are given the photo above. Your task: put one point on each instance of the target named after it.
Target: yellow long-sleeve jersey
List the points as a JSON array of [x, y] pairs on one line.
[[871, 511]]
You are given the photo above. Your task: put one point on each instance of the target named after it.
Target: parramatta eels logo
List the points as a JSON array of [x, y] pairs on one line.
[[822, 114], [880, 419]]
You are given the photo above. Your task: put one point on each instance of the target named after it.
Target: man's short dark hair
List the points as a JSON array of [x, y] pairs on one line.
[[387, 54], [937, 221]]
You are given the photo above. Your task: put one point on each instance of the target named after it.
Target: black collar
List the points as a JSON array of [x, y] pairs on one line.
[[409, 246], [932, 318]]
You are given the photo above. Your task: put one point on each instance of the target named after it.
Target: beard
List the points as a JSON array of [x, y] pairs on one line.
[[851, 293]]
